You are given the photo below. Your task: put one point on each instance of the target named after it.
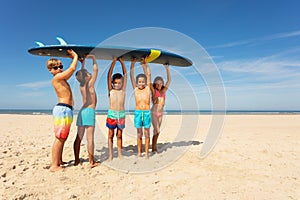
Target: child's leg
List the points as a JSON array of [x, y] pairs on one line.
[[147, 141], [57, 150], [61, 160], [110, 143], [156, 131], [139, 141], [154, 142], [76, 145], [119, 142], [90, 142]]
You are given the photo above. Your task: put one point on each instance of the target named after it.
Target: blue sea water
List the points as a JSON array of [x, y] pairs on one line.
[[168, 112]]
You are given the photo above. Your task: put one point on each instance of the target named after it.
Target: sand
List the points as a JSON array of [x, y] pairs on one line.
[[256, 157]]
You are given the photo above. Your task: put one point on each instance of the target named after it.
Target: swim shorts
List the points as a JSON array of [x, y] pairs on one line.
[[115, 119], [63, 118], [142, 118], [86, 117]]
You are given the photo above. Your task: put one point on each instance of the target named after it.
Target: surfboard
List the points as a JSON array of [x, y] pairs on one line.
[[152, 55]]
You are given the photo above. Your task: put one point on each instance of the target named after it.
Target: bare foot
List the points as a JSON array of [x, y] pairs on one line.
[[110, 158], [146, 156], [94, 164], [120, 156], [76, 162], [139, 155], [55, 168]]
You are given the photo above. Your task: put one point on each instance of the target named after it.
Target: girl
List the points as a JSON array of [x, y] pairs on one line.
[[158, 98]]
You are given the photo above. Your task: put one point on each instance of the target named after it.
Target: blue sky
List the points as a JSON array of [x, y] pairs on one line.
[[255, 46]]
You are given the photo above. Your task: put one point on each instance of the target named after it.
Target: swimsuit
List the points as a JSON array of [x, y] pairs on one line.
[[115, 119], [157, 114], [142, 118], [63, 118], [158, 95], [86, 117]]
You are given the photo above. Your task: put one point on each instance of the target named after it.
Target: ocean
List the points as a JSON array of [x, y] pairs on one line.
[[168, 112]]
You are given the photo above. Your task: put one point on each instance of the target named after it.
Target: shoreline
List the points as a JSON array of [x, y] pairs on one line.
[[170, 112]]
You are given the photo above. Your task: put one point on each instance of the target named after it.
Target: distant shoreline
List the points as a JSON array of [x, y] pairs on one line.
[[168, 112]]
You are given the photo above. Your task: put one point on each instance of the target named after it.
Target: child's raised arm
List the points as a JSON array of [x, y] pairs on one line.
[[168, 77], [109, 74], [147, 72], [69, 72], [124, 73], [132, 73], [95, 69]]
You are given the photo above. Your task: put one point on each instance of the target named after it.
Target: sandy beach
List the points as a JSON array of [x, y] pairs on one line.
[[256, 157]]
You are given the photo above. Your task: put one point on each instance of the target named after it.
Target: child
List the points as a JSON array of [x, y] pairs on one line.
[[86, 115], [116, 113], [142, 114], [63, 111], [158, 90]]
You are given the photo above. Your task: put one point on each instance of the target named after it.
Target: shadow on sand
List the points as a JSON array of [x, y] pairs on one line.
[[131, 150]]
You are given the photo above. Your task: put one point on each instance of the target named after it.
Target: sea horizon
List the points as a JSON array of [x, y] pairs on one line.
[[168, 112]]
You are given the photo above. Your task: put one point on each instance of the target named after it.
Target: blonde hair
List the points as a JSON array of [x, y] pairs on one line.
[[52, 62]]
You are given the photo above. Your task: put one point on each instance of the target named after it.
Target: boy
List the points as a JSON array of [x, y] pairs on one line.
[[86, 115], [116, 113], [142, 113], [63, 111]]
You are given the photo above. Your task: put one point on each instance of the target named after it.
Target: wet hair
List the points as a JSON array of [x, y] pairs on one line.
[[141, 76], [52, 62], [158, 78], [80, 76]]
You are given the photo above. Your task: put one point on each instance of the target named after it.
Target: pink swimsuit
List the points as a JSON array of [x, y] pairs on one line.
[[157, 95]]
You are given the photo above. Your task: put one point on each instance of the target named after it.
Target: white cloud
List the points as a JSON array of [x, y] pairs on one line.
[[269, 74], [232, 44], [257, 40], [283, 64], [35, 85], [284, 35]]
